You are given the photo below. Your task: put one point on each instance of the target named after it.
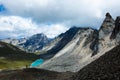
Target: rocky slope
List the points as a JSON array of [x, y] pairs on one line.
[[107, 67], [73, 52], [60, 42], [32, 44], [80, 46]]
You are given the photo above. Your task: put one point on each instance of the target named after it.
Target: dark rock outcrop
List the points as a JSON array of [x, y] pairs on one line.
[[116, 29], [108, 15]]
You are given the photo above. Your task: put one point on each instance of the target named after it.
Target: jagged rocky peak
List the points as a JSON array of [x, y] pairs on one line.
[[105, 32], [116, 30], [30, 44], [108, 15], [36, 42], [107, 26], [37, 38]]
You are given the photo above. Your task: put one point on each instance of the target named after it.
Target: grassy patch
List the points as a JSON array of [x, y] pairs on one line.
[[10, 64]]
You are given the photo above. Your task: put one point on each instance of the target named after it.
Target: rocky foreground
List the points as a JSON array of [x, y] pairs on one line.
[[34, 74], [107, 67]]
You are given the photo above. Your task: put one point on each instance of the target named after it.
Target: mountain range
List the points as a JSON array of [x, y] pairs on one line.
[[77, 54], [78, 47], [31, 44]]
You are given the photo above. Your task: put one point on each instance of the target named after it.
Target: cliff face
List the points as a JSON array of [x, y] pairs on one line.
[[116, 32], [105, 32], [107, 26]]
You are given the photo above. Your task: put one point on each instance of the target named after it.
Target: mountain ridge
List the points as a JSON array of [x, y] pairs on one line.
[[84, 47]]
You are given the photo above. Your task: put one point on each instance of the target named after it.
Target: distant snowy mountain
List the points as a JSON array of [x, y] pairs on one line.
[[14, 41], [32, 44], [35, 43]]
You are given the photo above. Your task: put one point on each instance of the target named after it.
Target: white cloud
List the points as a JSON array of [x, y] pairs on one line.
[[15, 26], [58, 13], [76, 12], [52, 30]]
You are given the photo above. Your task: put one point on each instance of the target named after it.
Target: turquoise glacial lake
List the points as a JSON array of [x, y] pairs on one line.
[[37, 63]]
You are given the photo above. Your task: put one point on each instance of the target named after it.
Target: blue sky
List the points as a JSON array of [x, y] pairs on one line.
[[21, 18], [2, 8]]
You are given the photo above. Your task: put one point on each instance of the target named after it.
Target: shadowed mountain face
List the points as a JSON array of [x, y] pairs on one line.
[[10, 51], [65, 38], [116, 32], [6, 49]]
